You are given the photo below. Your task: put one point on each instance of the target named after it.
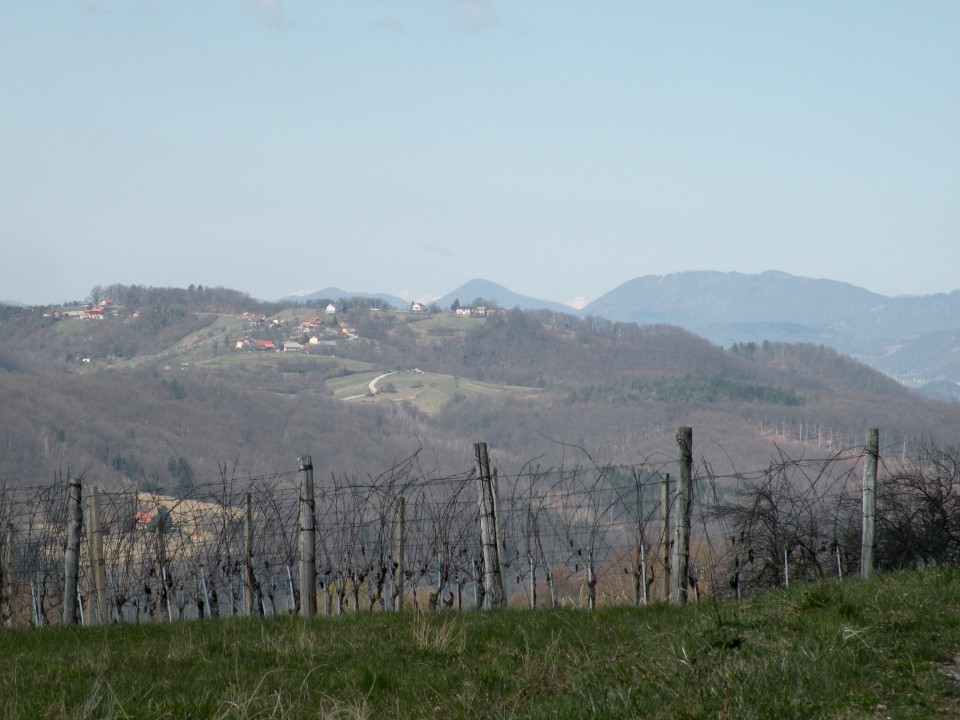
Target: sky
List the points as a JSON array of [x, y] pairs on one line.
[[407, 146]]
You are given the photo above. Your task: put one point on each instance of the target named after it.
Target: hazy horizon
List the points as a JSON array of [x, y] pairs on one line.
[[575, 303], [560, 150]]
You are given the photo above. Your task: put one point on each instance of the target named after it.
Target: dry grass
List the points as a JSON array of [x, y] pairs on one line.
[[442, 633]]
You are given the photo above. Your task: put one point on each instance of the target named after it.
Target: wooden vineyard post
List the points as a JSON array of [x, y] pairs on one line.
[[398, 570], [498, 529], [207, 608], [494, 595], [591, 583], [71, 560], [95, 543], [6, 578], [478, 598], [308, 539], [533, 581], [643, 574], [681, 549], [248, 599], [162, 596], [870, 460], [666, 539]]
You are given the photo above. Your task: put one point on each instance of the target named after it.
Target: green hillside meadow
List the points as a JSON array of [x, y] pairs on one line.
[[884, 648]]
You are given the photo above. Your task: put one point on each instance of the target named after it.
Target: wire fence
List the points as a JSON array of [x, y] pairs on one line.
[[580, 535]]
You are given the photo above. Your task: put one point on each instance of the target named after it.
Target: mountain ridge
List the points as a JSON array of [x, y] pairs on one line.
[[899, 335], [335, 293], [504, 297], [905, 336]]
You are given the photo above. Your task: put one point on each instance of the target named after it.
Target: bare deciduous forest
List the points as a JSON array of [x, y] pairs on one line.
[[158, 395]]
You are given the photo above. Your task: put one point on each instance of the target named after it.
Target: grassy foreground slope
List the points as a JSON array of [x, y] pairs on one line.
[[879, 649]]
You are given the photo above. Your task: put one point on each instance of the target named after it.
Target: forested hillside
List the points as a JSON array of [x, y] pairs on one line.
[[166, 388]]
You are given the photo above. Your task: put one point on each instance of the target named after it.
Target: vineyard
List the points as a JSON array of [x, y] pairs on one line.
[[575, 535]]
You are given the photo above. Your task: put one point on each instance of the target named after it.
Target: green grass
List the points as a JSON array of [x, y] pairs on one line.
[[427, 391], [354, 384], [878, 649]]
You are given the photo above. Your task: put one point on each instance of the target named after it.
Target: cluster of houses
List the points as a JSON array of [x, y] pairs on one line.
[[317, 332], [478, 311], [100, 310]]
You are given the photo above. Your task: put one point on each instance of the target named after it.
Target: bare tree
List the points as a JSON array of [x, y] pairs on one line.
[[793, 512], [918, 510]]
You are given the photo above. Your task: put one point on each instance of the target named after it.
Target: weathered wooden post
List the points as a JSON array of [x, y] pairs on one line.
[[681, 550], [95, 543], [398, 551], [166, 592], [249, 602], [666, 538], [643, 575], [478, 598], [162, 597], [591, 583], [533, 582], [35, 601], [6, 578], [355, 580], [308, 539], [498, 528], [291, 594], [870, 460], [207, 608], [71, 561], [494, 595]]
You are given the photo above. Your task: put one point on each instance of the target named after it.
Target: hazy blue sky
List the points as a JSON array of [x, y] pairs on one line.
[[406, 146]]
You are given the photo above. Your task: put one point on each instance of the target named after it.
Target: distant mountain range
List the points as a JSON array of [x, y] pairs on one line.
[[466, 294], [334, 293], [915, 339], [912, 338], [474, 289]]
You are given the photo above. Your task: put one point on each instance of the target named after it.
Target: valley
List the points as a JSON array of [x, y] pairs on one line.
[[218, 379]]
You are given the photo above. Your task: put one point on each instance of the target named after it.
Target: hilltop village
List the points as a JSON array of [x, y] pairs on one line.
[[268, 329]]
